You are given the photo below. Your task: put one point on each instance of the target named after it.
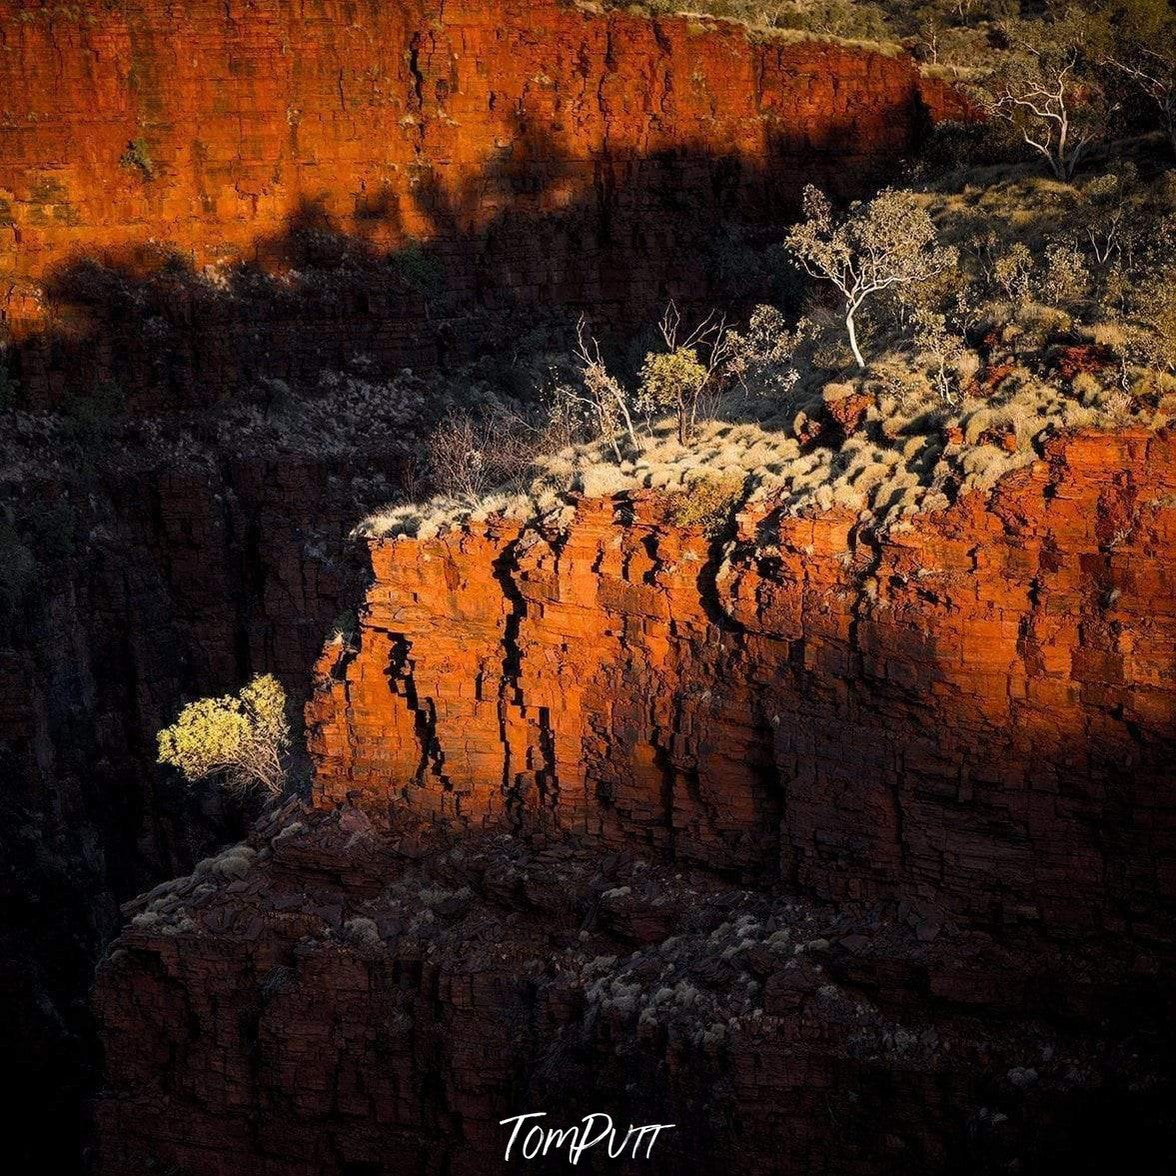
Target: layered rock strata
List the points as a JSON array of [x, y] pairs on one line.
[[329, 1000], [847, 853], [197, 199], [544, 154], [978, 710]]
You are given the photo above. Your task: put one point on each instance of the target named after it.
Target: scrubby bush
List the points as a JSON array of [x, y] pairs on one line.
[[419, 270], [672, 381], [1012, 271], [838, 18], [706, 502], [459, 455], [677, 380], [1155, 310], [1109, 220], [468, 455], [1066, 281], [945, 350], [603, 396], [828, 18], [242, 739], [954, 145], [561, 415], [982, 300], [763, 359]]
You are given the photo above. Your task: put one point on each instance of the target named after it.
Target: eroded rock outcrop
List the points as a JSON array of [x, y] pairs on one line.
[[978, 711], [849, 855], [164, 576]]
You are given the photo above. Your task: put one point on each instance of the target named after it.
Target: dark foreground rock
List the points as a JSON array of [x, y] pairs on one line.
[[327, 998]]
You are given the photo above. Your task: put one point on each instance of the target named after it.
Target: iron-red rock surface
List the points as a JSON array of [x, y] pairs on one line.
[[543, 153], [978, 711]]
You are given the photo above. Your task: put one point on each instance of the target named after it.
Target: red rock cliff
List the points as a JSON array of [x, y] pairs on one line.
[[979, 712], [547, 153], [976, 717]]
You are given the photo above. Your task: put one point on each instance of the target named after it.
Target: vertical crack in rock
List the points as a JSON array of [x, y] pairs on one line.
[[417, 101], [610, 64], [663, 760], [510, 696], [547, 774], [401, 679]]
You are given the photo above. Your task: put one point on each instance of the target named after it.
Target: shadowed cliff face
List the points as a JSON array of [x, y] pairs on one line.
[[962, 735], [545, 156], [331, 1000], [204, 125], [844, 856], [185, 577]]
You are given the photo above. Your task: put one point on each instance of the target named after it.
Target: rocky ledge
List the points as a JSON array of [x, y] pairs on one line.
[[978, 710], [332, 998]]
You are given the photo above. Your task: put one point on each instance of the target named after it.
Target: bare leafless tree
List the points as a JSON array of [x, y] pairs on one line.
[[604, 395]]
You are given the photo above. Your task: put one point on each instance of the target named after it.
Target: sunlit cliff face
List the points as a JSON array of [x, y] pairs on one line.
[[957, 709], [546, 149]]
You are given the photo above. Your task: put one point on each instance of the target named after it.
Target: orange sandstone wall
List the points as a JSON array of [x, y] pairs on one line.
[[547, 154], [979, 712]]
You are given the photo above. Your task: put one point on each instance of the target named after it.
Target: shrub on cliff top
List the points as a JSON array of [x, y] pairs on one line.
[[887, 243], [242, 739], [971, 369], [678, 379], [672, 380], [706, 502]]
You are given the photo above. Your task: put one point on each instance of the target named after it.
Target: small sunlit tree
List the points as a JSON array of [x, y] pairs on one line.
[[678, 379], [243, 739], [888, 242]]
